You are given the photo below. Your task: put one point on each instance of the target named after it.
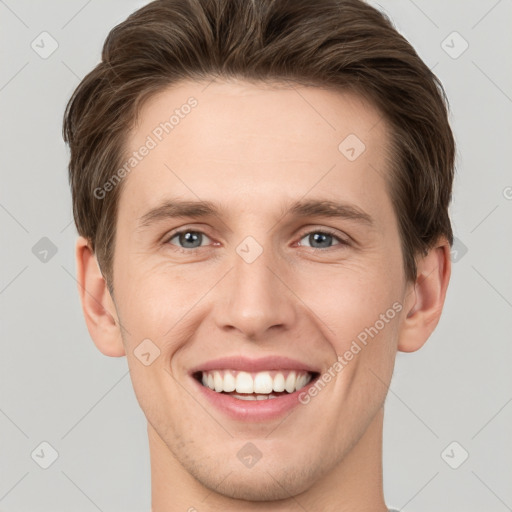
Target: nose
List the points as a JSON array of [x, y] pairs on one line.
[[256, 298]]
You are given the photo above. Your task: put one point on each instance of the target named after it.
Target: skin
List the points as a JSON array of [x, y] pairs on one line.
[[254, 149]]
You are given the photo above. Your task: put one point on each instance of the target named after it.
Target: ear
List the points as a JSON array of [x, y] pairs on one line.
[[425, 299], [97, 304]]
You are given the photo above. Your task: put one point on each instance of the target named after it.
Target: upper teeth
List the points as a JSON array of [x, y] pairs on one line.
[[260, 382]]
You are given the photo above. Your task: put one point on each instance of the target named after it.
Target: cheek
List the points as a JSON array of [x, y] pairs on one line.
[[347, 299], [360, 315], [154, 299]]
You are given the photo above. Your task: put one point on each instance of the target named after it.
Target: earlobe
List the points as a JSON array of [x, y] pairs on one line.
[[97, 304], [427, 297]]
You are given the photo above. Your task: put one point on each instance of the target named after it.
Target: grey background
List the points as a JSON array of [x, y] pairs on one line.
[[56, 387]]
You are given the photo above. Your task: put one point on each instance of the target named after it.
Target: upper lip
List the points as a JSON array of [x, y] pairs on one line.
[[254, 365]]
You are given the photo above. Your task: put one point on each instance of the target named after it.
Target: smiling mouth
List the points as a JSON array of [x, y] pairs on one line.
[[255, 385]]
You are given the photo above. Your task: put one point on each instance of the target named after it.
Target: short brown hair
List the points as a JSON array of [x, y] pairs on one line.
[[345, 44]]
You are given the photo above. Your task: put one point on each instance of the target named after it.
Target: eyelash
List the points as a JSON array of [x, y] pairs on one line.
[[324, 231]]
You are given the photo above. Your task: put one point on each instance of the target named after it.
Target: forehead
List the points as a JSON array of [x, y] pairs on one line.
[[258, 110], [212, 140]]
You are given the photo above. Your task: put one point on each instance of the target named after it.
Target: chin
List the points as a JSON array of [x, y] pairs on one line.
[[259, 484]]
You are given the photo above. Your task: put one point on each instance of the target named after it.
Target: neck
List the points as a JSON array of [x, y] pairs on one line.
[[354, 484]]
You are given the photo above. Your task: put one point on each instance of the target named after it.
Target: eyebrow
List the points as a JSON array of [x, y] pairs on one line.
[[171, 209], [327, 208]]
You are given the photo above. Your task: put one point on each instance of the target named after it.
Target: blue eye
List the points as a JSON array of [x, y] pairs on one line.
[[324, 239], [318, 239], [189, 239]]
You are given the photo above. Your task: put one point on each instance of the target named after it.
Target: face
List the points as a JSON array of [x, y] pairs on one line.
[[283, 291]]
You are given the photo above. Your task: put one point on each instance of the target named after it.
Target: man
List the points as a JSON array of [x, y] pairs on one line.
[[261, 190]]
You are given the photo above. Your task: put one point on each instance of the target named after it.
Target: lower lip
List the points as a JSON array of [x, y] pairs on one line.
[[253, 410]]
